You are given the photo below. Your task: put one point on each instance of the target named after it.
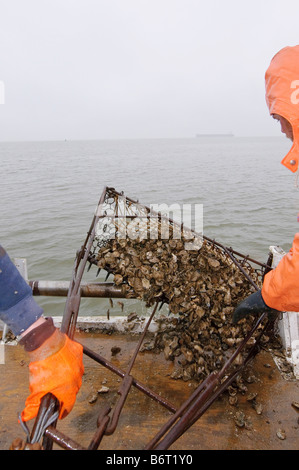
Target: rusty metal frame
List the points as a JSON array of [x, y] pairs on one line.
[[194, 407]]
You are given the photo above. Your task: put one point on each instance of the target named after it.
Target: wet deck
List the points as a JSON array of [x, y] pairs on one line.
[[142, 417]]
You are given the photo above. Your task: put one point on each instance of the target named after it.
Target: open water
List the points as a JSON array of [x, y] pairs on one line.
[[49, 191]]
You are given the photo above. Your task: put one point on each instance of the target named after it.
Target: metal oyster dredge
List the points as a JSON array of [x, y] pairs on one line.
[[200, 286]]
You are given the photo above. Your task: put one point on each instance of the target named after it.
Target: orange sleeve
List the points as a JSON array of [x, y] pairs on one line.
[[281, 285]]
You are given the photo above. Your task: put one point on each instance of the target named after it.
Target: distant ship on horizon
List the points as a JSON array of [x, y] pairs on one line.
[[228, 134]]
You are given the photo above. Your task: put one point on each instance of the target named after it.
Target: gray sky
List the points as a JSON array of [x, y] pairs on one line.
[[97, 69]]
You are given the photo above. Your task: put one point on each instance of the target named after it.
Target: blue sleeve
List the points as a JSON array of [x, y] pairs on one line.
[[18, 308]]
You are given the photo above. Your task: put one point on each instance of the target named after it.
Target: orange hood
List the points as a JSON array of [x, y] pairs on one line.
[[282, 96]]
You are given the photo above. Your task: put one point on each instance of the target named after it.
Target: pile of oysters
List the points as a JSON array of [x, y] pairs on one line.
[[202, 287]]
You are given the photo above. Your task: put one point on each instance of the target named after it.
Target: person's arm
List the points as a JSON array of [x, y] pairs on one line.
[[281, 285], [18, 309], [280, 290], [34, 325], [56, 364]]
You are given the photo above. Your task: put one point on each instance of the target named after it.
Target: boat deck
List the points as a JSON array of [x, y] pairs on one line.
[[274, 425]]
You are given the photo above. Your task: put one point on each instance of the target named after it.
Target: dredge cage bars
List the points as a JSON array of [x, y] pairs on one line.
[[113, 211]]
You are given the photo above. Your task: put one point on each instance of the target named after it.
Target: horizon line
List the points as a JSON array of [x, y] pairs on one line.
[[92, 139]]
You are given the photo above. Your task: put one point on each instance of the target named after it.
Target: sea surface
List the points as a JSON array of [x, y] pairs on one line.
[[49, 192]]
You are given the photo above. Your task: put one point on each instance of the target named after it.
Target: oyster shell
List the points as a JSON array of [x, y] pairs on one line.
[[201, 287]]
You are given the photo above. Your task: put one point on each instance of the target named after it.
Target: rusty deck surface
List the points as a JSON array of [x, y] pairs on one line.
[[273, 425]]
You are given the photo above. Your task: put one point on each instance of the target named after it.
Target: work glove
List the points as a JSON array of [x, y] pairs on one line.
[[252, 305], [55, 367]]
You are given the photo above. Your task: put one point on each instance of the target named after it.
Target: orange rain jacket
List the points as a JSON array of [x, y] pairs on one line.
[[281, 286]]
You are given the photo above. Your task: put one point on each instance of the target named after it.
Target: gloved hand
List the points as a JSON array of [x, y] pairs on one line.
[[252, 305], [55, 366]]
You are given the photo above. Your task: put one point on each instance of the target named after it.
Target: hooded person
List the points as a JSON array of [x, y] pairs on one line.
[[280, 290]]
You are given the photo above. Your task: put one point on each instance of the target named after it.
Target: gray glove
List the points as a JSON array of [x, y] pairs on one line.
[[252, 305]]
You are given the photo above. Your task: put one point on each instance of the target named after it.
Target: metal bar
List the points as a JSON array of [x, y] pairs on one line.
[[61, 288], [229, 253], [102, 423], [48, 405], [70, 316], [95, 442], [180, 411], [62, 440], [123, 392], [142, 338], [139, 385], [127, 380]]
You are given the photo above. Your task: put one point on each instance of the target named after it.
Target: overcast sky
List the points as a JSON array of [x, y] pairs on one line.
[[101, 69]]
